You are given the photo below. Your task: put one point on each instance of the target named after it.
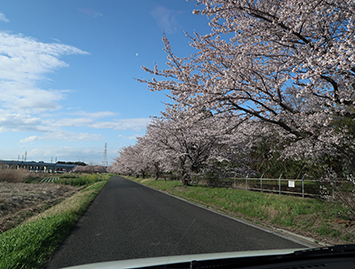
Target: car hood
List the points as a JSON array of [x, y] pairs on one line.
[[146, 262]]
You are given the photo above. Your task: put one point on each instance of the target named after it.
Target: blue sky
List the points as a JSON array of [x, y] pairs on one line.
[[68, 73]]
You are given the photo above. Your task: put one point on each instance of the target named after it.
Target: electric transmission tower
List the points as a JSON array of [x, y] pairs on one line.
[[105, 162]]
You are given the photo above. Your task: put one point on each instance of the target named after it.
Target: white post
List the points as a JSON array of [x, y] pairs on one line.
[[303, 185], [246, 182], [280, 184]]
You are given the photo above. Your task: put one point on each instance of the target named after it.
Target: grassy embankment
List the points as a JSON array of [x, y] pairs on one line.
[[30, 244], [313, 218]]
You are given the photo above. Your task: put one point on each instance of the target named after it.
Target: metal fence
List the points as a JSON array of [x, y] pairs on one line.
[[301, 187], [297, 187]]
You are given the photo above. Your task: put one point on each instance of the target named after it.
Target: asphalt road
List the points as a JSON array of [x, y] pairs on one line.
[[128, 221]]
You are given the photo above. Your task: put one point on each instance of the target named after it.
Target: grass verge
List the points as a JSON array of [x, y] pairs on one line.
[[30, 244], [309, 217]]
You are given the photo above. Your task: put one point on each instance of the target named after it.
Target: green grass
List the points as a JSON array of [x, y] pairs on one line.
[[304, 215], [80, 180], [49, 179], [30, 244], [73, 179], [326, 230]]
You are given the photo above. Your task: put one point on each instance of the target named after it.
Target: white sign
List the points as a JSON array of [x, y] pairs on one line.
[[291, 183]]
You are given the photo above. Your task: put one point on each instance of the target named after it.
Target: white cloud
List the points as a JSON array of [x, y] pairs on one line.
[[23, 62], [130, 137], [123, 124], [16, 122], [24, 97], [118, 124], [3, 18], [30, 139], [26, 58], [20, 122], [63, 135], [91, 122]]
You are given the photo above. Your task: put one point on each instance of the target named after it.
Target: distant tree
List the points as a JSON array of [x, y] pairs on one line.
[[77, 163], [79, 169], [89, 169]]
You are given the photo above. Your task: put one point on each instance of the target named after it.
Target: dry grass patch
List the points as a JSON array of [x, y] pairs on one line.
[[19, 201], [13, 175], [69, 205]]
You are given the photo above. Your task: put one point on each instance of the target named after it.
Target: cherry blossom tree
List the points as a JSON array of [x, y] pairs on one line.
[[119, 167], [286, 63], [185, 145], [133, 160], [79, 169], [155, 156]]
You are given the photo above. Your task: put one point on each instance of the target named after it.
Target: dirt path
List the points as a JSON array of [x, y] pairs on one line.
[[19, 201]]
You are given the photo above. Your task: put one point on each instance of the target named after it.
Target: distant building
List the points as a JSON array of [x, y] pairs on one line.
[[40, 167]]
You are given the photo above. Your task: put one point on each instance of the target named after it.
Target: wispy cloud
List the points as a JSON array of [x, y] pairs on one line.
[[64, 136], [130, 137], [123, 124], [3, 17], [166, 18], [90, 12], [23, 62], [91, 122], [52, 129]]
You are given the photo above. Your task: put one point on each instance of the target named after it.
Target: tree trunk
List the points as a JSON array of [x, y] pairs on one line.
[[157, 175], [185, 179]]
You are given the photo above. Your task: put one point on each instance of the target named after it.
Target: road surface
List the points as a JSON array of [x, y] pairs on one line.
[[127, 221]]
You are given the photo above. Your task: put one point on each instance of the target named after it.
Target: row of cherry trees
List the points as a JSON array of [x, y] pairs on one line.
[[275, 71], [175, 144], [89, 169]]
